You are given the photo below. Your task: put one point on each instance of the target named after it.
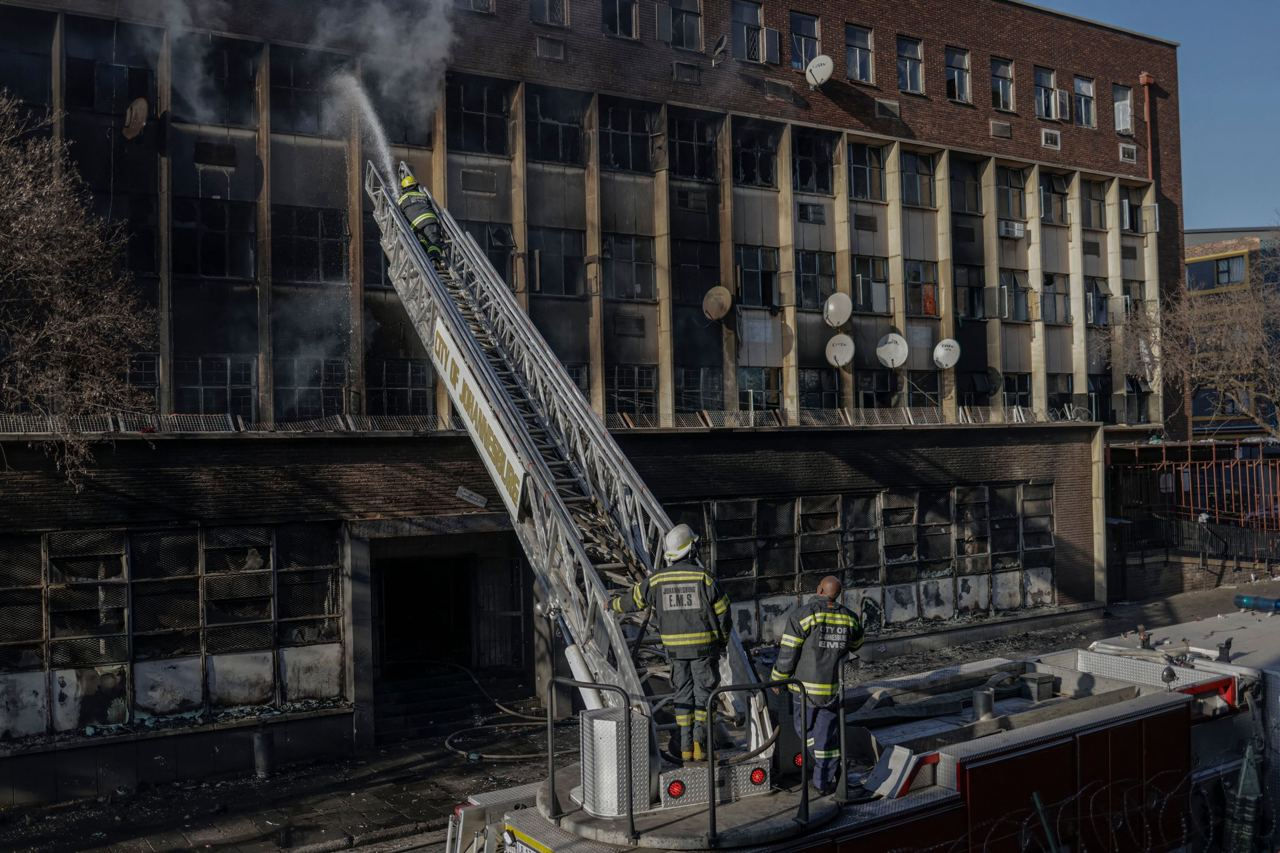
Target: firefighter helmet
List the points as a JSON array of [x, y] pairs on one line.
[[408, 181], [679, 542]]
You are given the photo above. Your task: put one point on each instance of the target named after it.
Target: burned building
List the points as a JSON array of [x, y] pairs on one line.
[[300, 527]]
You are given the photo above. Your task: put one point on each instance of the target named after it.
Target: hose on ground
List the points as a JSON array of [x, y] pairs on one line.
[[471, 755], [503, 708]]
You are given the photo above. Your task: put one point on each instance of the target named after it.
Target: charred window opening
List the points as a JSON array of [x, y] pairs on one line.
[[758, 277], [1060, 388], [308, 245], [377, 268], [21, 605], [405, 117], [581, 376], [813, 162], [877, 389], [307, 388], [164, 574], [619, 18], [557, 261], [299, 103], [237, 589], [631, 388], [972, 530], [477, 112], [819, 388], [760, 389], [692, 147], [699, 389], [1093, 205], [399, 386], [553, 125], [144, 375], [626, 134], [866, 172], [923, 392], [1054, 203], [974, 388], [139, 215], [917, 179], [496, 241], [695, 269], [26, 55], [1017, 390], [627, 265], [815, 279], [755, 154], [922, 288], [216, 385], [1099, 398], [109, 65], [87, 599], [966, 186], [870, 284], [213, 238], [214, 79]]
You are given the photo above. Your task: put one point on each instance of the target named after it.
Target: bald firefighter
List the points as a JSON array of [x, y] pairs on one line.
[[422, 216], [693, 621], [818, 636]]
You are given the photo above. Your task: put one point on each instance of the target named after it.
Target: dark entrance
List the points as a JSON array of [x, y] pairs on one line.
[[427, 610]]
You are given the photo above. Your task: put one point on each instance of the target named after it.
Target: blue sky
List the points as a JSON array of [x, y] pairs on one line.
[[1229, 75]]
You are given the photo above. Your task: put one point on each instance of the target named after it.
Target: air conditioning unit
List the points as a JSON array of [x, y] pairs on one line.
[[1010, 228]]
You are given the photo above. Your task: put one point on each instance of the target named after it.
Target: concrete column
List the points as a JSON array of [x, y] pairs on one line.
[[439, 189], [355, 403], [164, 228], [946, 284], [991, 272], [266, 412], [59, 58], [1151, 304], [1098, 501], [1115, 287], [787, 278], [1035, 276], [662, 288], [1075, 272], [897, 264], [357, 631], [595, 281], [844, 252], [519, 192], [728, 259]]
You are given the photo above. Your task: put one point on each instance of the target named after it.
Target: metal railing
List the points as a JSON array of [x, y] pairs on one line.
[[553, 799]]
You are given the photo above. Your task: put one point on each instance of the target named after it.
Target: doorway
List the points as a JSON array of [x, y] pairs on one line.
[[426, 610]]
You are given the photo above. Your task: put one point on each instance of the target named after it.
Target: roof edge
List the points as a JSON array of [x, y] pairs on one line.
[[1093, 22]]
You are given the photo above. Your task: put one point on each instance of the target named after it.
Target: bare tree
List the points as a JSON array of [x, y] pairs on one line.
[[1223, 342], [70, 317]]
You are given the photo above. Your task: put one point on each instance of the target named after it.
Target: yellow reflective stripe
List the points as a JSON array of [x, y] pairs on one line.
[[826, 753], [683, 719], [687, 639], [816, 689], [615, 604], [411, 194], [807, 622], [809, 742], [722, 606], [832, 618], [636, 597], [536, 846], [423, 218], [700, 716], [778, 676], [792, 642], [665, 577]]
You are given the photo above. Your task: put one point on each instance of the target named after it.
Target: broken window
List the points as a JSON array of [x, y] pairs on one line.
[[1097, 301], [109, 65], [26, 61], [758, 276], [214, 80], [237, 589], [549, 12], [580, 375], [1059, 390], [626, 131], [619, 17], [1100, 408], [972, 533], [164, 570], [934, 535], [137, 213], [405, 120], [377, 268], [21, 603], [399, 386], [692, 147], [866, 172], [755, 154], [476, 113], [877, 389], [1011, 193], [557, 257], [917, 179], [87, 599], [628, 267], [308, 592], [860, 538], [699, 389], [686, 24], [815, 279], [898, 523], [307, 388], [216, 385], [870, 284], [974, 388], [631, 388], [1137, 400], [1014, 296], [922, 288], [922, 389], [695, 269], [144, 375], [1037, 525], [308, 245], [299, 102], [812, 161], [213, 238], [1017, 390], [970, 285], [759, 389], [497, 243], [966, 186], [553, 125], [819, 388], [1054, 204]]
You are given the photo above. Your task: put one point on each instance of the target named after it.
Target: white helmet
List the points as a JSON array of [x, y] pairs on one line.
[[679, 542]]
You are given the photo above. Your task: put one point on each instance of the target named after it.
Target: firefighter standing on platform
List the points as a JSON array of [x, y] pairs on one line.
[[422, 216], [693, 622], [818, 636]]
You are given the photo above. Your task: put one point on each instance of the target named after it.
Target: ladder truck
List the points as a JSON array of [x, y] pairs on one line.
[[587, 523]]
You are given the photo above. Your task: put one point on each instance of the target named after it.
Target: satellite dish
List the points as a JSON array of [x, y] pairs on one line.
[[840, 350], [717, 52], [892, 350], [946, 353], [837, 310], [717, 303], [819, 70], [135, 118]]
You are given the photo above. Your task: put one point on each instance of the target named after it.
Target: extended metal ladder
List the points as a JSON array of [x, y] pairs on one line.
[[586, 521]]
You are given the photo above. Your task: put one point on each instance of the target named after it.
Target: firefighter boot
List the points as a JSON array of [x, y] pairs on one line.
[[698, 753]]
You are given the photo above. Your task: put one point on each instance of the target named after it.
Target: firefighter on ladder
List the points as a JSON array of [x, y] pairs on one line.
[[422, 216], [693, 622], [818, 636]]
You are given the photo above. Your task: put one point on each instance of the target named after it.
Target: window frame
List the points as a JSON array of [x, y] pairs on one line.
[[536, 236], [641, 395], [633, 7], [918, 198], [866, 288], [1046, 106], [710, 389], [817, 150], [609, 112], [998, 89], [1093, 208], [959, 77], [815, 279], [680, 14], [906, 66], [701, 150], [920, 280], [538, 121], [1125, 127], [857, 54], [1084, 106], [247, 370], [766, 276], [1008, 191], [458, 109], [1057, 199], [620, 251], [970, 296], [756, 142], [769, 394], [546, 8], [800, 59], [872, 173], [744, 34]]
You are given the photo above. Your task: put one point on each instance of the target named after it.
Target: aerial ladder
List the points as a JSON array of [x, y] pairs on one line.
[[587, 523]]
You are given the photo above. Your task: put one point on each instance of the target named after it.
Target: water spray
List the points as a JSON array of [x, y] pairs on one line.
[[348, 88]]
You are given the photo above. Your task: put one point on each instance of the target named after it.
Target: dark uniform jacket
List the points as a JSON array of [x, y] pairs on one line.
[[691, 612], [817, 636], [421, 215]]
